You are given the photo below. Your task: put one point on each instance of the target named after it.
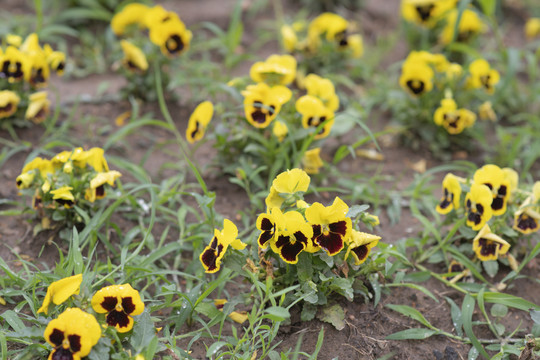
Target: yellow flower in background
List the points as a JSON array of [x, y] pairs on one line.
[[470, 25], [8, 103], [198, 121], [97, 188], [485, 112], [24, 180], [55, 59], [37, 70], [425, 12], [495, 179], [293, 237], [323, 89], [131, 14], [275, 70], [31, 44], [14, 40], [478, 206], [63, 196], [61, 290], [451, 194], [332, 26], [532, 28], [488, 246], [331, 226], [513, 179], [44, 166], [416, 77], [120, 303], [13, 64], [360, 245], [38, 109], [213, 254], [158, 14], [289, 38], [526, 220], [95, 157], [482, 76], [171, 36], [454, 120], [262, 103], [314, 113], [453, 71], [312, 162], [356, 44], [72, 334], [280, 130], [134, 59]]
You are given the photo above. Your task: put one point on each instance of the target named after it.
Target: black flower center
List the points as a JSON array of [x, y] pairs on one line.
[[174, 44], [424, 11], [416, 86]]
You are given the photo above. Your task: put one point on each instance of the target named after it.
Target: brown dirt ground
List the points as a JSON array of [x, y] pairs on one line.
[[367, 327]]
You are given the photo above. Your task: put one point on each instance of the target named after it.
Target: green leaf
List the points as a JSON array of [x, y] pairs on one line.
[[488, 7], [356, 210], [467, 310], [499, 310], [333, 314], [510, 301], [412, 313], [412, 334], [277, 313], [535, 316], [491, 267], [308, 312], [455, 313], [143, 331], [13, 320], [213, 349]]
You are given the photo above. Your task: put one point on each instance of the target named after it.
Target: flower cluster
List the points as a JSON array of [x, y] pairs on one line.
[[489, 194], [291, 226], [267, 104], [74, 332], [163, 28], [328, 36], [25, 66], [443, 14], [73, 177], [432, 76]]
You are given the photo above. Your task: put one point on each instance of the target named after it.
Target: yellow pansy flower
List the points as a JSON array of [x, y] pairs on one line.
[[312, 161], [488, 246], [263, 103], [478, 206], [8, 103], [38, 109], [275, 70], [198, 121], [61, 290], [360, 245], [314, 113], [133, 13], [72, 334], [451, 194], [120, 303], [213, 253], [134, 59]]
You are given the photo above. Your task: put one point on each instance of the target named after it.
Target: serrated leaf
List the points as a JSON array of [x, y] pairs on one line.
[[308, 312], [333, 314], [412, 334]]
